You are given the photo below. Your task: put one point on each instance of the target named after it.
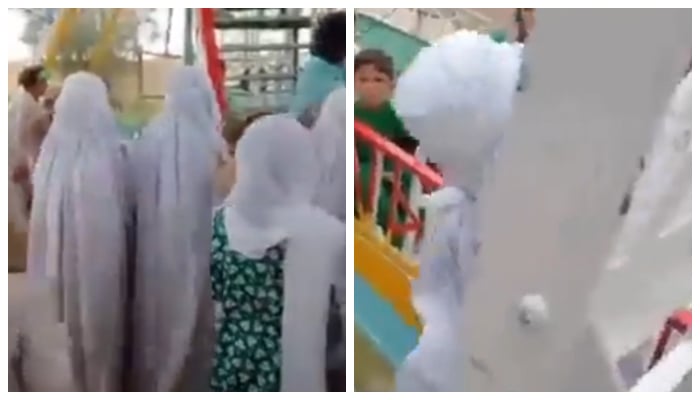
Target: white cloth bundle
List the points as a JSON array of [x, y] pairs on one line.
[[172, 169], [77, 230], [271, 203]]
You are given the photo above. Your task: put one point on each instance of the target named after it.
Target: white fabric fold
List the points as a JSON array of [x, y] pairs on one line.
[[328, 135]]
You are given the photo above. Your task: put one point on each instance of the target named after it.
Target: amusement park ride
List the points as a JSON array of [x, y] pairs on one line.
[[546, 312]]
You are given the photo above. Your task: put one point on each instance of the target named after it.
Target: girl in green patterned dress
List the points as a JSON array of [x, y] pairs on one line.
[[274, 259]]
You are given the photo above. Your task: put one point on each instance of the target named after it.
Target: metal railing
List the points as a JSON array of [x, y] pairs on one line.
[[407, 212], [214, 65]]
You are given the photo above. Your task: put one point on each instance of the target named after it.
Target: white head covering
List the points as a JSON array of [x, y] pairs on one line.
[[196, 78], [328, 135], [455, 98], [277, 174], [271, 203], [77, 235], [173, 169]]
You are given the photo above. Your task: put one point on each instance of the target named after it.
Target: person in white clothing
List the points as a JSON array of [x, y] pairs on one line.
[[455, 99], [77, 233], [172, 175], [274, 257]]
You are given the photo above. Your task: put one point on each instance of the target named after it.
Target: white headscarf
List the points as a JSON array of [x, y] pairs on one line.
[[77, 239], [455, 98], [271, 203], [457, 106], [173, 169], [328, 135]]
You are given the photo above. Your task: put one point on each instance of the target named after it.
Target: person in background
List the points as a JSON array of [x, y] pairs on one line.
[[50, 97], [25, 109], [374, 86], [328, 136], [274, 258], [471, 126], [325, 69]]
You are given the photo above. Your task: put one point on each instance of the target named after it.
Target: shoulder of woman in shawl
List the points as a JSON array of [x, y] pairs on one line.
[[319, 227]]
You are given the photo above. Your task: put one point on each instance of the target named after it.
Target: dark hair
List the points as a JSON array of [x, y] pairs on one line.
[[30, 76], [376, 58], [328, 38]]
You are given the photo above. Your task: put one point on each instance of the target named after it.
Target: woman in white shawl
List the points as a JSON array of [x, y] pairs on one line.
[[173, 169], [455, 98], [273, 261], [77, 242]]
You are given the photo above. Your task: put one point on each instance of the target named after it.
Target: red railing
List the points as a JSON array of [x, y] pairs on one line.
[[215, 65], [679, 322], [367, 195]]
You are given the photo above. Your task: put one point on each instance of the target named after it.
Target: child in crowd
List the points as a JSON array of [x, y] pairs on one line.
[[273, 296], [374, 84]]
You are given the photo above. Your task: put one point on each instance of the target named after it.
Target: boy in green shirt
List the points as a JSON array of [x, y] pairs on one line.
[[374, 86]]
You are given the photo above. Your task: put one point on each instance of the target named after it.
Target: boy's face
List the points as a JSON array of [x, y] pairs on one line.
[[372, 86]]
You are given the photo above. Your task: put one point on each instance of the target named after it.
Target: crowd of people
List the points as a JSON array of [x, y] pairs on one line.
[[142, 275]]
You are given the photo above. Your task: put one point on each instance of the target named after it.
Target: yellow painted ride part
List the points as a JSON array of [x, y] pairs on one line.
[[62, 34], [102, 53], [385, 269]]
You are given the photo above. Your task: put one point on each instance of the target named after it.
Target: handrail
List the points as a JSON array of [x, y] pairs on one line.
[[680, 322], [429, 178], [215, 66], [367, 194], [670, 373]]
